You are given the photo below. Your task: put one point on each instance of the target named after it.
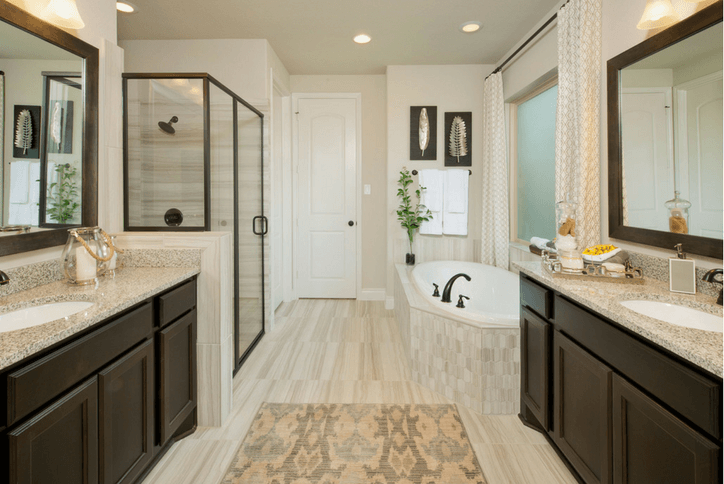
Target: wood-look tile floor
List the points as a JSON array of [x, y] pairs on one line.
[[346, 351]]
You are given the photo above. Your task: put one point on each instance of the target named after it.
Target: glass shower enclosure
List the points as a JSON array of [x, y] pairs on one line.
[[193, 161]]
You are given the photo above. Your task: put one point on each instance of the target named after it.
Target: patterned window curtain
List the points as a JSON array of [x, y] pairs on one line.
[[496, 228], [577, 114]]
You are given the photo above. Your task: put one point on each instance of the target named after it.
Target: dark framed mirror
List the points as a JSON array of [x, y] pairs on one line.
[[49, 142], [665, 138]]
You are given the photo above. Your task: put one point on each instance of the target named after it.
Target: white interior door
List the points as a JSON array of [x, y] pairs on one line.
[[647, 156], [327, 198], [702, 135], [277, 225]]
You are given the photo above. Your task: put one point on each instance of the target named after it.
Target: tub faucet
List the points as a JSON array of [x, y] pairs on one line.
[[449, 285], [436, 292], [4, 279], [710, 277]]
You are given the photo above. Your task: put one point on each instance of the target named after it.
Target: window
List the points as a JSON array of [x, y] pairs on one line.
[[533, 132]]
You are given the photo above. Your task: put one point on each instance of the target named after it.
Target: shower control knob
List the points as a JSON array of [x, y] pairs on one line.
[[350, 223]]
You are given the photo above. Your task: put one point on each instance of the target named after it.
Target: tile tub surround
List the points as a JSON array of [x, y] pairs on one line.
[[473, 366], [131, 286], [702, 348]]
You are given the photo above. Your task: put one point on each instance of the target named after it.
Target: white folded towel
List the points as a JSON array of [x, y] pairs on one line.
[[19, 182], [432, 197], [456, 191], [27, 213], [539, 242], [455, 211]]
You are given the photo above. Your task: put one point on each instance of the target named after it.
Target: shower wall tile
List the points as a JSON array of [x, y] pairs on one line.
[[432, 248]]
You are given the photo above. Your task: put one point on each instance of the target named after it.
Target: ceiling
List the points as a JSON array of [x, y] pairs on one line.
[[315, 36], [18, 44]]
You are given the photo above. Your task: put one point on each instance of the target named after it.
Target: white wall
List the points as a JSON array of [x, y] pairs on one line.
[[374, 163], [450, 88], [619, 33], [242, 65]]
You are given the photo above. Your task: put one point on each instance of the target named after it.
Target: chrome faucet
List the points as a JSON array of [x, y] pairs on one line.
[[449, 285], [710, 277], [4, 279]]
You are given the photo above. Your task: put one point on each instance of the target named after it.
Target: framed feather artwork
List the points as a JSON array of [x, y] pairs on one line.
[[423, 132], [26, 131], [458, 150], [60, 127]]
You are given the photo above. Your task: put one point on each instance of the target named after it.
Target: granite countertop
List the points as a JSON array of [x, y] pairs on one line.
[[702, 348], [131, 286]]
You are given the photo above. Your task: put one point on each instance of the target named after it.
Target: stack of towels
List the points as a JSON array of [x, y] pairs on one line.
[[446, 196]]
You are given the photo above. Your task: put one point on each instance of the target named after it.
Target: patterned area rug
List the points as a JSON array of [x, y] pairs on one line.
[[356, 444]]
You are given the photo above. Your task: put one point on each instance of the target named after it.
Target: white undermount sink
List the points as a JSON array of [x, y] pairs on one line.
[[675, 314], [37, 315]]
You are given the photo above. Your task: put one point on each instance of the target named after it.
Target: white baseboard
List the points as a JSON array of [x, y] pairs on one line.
[[390, 303], [372, 295]]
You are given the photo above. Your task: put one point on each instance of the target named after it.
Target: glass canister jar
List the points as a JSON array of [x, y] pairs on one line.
[[87, 255], [566, 238], [678, 214]]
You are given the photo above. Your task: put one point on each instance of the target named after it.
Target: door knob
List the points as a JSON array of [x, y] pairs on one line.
[[350, 223]]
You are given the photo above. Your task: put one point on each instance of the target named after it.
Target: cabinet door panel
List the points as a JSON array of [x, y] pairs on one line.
[[177, 371], [126, 416], [535, 357], [651, 446], [582, 409], [60, 444]]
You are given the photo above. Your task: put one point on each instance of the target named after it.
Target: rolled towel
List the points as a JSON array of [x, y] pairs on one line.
[[539, 242]]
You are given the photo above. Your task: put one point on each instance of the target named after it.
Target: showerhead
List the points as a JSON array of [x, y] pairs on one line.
[[166, 127]]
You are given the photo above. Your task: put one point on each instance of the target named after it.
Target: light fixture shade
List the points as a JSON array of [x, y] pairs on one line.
[[63, 13], [694, 1], [657, 14]]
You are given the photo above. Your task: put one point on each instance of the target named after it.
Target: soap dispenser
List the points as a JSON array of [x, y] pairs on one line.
[[682, 272]]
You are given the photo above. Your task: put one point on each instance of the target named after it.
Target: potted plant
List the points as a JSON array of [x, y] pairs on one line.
[[410, 219]]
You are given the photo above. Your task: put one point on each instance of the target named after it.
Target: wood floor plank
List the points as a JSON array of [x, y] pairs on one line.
[[347, 351]]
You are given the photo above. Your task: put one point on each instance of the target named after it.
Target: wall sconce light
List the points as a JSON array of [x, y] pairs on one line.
[[63, 13], [657, 14]]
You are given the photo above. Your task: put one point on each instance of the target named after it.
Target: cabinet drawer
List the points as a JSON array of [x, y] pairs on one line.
[[694, 396], [36, 384], [176, 302], [536, 297]]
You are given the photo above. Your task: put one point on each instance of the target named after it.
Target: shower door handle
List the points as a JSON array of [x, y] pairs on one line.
[[253, 225], [265, 225]]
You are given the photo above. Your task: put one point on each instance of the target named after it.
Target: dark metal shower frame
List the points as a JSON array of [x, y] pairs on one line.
[[207, 80]]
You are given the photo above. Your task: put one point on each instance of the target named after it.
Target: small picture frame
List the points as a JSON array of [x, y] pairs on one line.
[[34, 151], [430, 152], [467, 159]]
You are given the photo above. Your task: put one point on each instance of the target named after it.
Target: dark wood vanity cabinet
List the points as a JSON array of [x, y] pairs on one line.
[[535, 334], [617, 408], [582, 409], [103, 407], [177, 373], [59, 444], [126, 403]]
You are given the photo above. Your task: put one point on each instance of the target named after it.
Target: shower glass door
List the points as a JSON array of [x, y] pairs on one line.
[[251, 227]]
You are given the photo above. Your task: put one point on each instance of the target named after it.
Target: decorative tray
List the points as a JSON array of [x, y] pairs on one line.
[[591, 272]]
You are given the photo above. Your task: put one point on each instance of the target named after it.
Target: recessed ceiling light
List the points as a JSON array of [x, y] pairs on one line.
[[470, 27], [126, 7], [362, 39]]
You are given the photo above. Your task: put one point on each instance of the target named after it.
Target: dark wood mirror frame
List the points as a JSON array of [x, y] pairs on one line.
[[705, 246], [34, 240]]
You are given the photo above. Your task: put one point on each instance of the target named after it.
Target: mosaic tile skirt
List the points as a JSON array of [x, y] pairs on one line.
[[350, 444]]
